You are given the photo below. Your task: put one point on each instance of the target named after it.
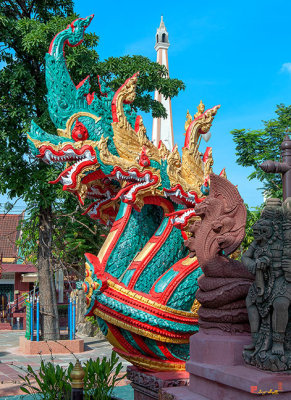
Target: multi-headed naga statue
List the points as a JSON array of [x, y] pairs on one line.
[[142, 284]]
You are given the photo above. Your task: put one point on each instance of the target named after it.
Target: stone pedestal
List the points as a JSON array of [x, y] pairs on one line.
[[217, 372], [147, 385], [50, 346]]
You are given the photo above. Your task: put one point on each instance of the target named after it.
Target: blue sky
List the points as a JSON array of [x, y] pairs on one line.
[[236, 54]]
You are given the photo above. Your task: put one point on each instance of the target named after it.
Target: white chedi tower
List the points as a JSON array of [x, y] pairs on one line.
[[163, 128]]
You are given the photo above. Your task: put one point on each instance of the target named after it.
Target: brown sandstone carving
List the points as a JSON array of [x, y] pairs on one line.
[[225, 283]]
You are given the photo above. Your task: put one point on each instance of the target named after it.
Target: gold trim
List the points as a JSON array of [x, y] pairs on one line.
[[195, 307], [60, 146], [188, 121], [189, 261], [150, 302], [145, 251], [136, 330], [89, 280], [106, 244], [153, 364]]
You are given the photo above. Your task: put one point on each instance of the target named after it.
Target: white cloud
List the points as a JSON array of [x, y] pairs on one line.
[[286, 67]]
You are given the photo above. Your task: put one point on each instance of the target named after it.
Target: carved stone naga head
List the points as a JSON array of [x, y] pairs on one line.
[[222, 226]]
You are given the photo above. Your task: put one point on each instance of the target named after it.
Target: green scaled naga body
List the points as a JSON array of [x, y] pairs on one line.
[[142, 284]]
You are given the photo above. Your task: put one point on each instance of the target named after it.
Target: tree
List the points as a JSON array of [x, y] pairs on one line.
[[73, 235], [256, 146], [26, 30]]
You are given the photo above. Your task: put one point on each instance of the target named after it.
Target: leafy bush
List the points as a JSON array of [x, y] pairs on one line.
[[101, 377], [54, 382]]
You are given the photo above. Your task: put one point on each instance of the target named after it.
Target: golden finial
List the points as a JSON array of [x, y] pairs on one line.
[[188, 120], [77, 376], [200, 109]]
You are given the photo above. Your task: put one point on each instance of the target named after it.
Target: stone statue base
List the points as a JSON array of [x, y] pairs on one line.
[[217, 371], [147, 385]]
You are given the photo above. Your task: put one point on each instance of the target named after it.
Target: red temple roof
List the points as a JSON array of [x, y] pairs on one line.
[[24, 268], [8, 236]]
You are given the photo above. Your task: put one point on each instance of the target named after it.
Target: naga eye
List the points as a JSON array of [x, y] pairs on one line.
[[80, 132]]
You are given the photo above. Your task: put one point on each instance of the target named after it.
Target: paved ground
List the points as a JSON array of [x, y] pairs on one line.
[[13, 364]]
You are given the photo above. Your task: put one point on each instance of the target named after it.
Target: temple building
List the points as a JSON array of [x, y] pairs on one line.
[[163, 128], [16, 278]]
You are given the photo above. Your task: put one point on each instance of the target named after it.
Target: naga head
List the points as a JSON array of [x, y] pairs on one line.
[[104, 148], [221, 227]]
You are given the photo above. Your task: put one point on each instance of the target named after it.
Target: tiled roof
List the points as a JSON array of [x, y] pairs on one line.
[[24, 268], [9, 234]]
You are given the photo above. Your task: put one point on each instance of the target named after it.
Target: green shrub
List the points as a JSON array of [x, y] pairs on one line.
[[54, 382], [101, 377]]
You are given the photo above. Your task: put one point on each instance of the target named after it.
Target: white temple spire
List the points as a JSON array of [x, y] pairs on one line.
[[163, 128]]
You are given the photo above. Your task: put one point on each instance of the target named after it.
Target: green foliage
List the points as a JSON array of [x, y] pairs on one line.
[[101, 376], [252, 217], [152, 76], [74, 234], [256, 146], [54, 382]]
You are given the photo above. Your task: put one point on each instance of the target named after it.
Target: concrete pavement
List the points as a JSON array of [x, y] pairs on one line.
[[13, 364]]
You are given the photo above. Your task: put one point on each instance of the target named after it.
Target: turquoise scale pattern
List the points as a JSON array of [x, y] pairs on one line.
[[180, 351], [152, 345], [172, 251], [133, 239], [182, 297], [145, 317], [128, 338]]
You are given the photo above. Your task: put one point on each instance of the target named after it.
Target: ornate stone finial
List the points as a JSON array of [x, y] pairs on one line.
[[188, 120], [77, 376], [200, 109]]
